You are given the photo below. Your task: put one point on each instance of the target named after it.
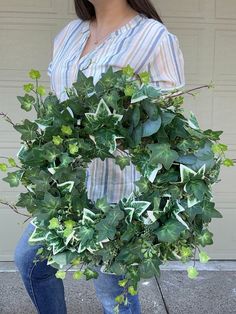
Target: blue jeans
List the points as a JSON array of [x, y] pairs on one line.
[[47, 292]]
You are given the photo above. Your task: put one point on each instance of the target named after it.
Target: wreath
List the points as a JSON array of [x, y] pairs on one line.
[[165, 218]]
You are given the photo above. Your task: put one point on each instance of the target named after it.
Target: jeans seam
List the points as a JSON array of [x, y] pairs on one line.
[[32, 289]]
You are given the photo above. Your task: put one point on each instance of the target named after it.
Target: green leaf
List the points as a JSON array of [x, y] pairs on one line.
[[135, 115], [192, 121], [90, 274], [137, 133], [53, 223], [47, 207], [106, 139], [64, 258], [11, 162], [129, 233], [122, 161], [151, 110], [228, 162], [123, 282], [85, 234], [209, 211], [170, 231], [28, 130], [161, 153], [114, 216], [205, 238], [132, 291], [3, 166], [27, 200], [102, 204], [77, 275], [13, 178], [192, 272], [150, 267], [143, 185], [203, 257], [105, 231], [41, 181], [60, 274], [198, 188], [150, 127], [26, 102]]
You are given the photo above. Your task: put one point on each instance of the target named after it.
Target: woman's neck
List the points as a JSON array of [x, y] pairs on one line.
[[111, 13]]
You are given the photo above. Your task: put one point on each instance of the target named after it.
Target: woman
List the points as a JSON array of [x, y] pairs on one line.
[[106, 33]]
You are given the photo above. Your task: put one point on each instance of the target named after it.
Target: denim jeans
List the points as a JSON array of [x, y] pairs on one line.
[[47, 292]]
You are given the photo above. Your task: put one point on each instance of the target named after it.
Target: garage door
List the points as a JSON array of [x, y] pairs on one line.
[[207, 34]]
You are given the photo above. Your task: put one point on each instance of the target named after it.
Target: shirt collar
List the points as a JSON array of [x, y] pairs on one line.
[[130, 24]]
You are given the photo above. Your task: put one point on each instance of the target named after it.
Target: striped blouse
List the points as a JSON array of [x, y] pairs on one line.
[[142, 42]]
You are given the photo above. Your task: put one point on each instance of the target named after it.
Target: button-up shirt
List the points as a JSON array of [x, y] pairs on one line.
[[143, 43]]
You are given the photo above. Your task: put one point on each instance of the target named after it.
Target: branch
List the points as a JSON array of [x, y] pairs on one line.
[[7, 118], [188, 91], [14, 208]]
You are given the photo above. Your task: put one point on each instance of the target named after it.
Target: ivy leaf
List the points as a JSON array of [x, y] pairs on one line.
[[90, 274], [88, 216], [205, 238], [28, 130], [150, 268], [150, 127], [151, 109], [114, 216], [105, 231], [102, 204], [60, 274], [161, 153], [197, 188], [203, 257], [26, 102], [192, 272], [3, 166], [85, 234], [143, 185], [77, 275], [137, 133], [209, 211], [170, 231], [47, 207], [64, 258], [27, 200], [13, 178], [101, 112], [137, 96], [135, 115], [122, 161], [129, 233], [106, 227], [107, 139], [192, 121], [213, 135], [41, 181]]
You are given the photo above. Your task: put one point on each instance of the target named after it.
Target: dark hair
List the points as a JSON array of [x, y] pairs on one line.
[[85, 9]]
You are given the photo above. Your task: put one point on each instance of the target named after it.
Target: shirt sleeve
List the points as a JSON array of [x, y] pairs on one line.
[[166, 67], [57, 42]]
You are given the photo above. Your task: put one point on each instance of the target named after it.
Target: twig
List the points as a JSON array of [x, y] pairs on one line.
[[7, 118], [187, 91], [14, 208]]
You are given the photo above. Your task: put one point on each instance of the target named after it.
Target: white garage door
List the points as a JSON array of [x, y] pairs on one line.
[[207, 34]]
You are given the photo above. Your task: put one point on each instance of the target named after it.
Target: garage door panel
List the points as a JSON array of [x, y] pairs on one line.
[[223, 236], [224, 61], [225, 9], [182, 8]]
